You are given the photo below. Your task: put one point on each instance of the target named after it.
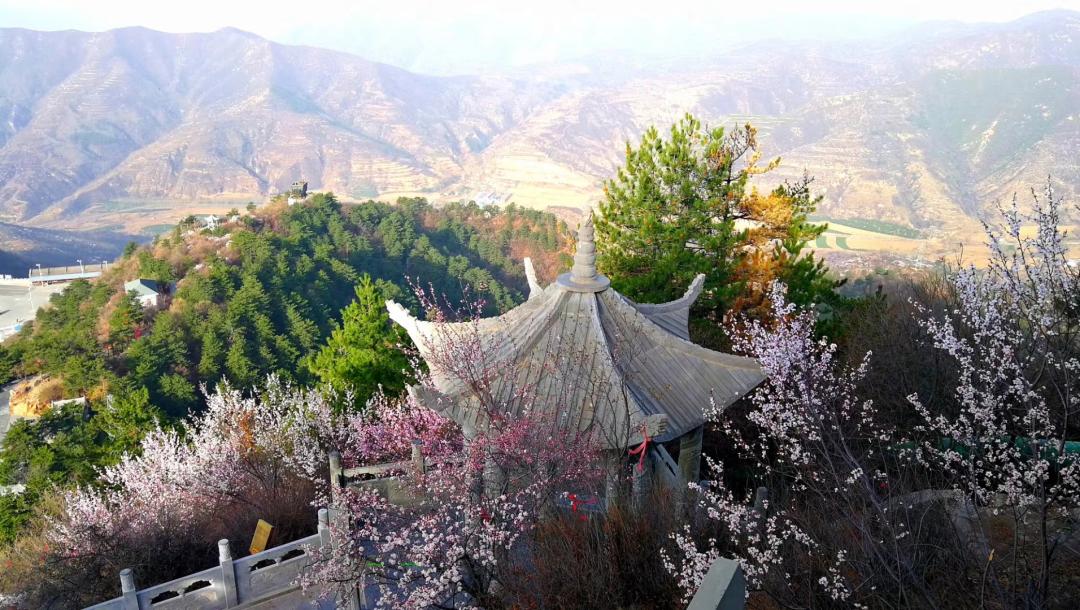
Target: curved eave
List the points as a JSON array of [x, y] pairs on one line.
[[671, 375], [673, 316], [535, 289], [429, 337]]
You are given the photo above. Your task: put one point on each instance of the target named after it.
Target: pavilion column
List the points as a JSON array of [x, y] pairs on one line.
[[615, 478], [690, 455], [476, 479], [494, 478], [640, 485]]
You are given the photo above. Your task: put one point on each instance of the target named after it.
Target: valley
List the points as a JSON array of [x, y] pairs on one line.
[[131, 130]]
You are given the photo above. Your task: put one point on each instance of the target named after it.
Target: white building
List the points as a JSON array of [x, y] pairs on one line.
[[148, 292]]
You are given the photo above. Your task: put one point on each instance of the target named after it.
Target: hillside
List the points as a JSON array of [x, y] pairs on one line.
[[259, 294], [27, 246], [11, 264], [133, 128]]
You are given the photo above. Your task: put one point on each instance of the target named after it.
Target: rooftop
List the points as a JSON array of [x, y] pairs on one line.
[[588, 357], [143, 287]]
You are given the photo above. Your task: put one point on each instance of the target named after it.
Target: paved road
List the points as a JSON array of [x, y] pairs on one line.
[[15, 303]]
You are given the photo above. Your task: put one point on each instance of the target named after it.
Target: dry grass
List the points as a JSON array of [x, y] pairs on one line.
[[968, 246], [1017, 557], [31, 399], [607, 560]]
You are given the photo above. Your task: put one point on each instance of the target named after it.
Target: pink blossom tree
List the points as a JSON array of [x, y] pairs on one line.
[[451, 545], [475, 502]]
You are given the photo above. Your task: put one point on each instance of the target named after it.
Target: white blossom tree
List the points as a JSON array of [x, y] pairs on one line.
[[865, 515], [161, 510], [1014, 336]]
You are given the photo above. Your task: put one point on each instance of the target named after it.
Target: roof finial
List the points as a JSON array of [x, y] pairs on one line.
[[583, 276], [584, 268]]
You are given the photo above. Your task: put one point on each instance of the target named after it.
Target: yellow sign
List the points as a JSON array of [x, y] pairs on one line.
[[261, 537]]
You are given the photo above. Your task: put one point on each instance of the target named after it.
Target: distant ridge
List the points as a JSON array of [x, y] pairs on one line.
[[133, 127]]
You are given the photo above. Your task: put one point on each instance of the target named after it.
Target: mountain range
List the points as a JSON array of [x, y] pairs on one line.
[[130, 128]]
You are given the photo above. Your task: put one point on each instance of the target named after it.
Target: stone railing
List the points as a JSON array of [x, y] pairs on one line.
[[389, 479], [232, 583], [273, 573]]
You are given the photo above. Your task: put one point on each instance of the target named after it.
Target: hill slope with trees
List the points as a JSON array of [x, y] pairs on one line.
[[256, 296]]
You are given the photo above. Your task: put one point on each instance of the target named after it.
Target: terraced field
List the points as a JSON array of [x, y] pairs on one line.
[[153, 216], [872, 238]]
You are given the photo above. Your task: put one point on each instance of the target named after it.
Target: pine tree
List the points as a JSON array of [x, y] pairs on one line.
[[127, 316], [362, 352], [241, 370], [682, 206], [212, 355]]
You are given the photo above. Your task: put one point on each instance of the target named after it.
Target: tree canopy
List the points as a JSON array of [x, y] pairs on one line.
[[259, 296], [683, 205], [364, 352]]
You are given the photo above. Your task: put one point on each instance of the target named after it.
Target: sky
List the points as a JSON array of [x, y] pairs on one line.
[[449, 36]]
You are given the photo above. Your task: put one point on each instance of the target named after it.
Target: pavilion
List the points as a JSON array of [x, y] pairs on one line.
[[587, 359]]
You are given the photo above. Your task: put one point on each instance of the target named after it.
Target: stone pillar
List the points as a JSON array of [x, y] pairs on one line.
[[722, 588], [761, 498], [476, 480], [418, 463], [494, 478], [324, 529], [690, 455], [228, 573], [358, 597], [128, 592], [613, 483], [336, 477], [352, 599]]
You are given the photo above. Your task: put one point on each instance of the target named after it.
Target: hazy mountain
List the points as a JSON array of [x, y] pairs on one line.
[[134, 113], [926, 127]]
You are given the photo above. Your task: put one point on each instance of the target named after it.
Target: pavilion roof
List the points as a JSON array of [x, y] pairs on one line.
[[586, 357]]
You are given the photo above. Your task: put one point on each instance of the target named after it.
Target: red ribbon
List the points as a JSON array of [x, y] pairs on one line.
[[641, 449], [575, 501]]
